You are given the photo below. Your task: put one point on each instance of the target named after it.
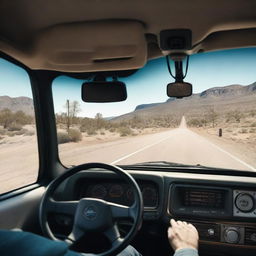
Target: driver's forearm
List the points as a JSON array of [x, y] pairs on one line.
[[186, 252]]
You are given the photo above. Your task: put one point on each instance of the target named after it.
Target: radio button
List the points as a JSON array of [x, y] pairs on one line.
[[231, 236], [211, 232]]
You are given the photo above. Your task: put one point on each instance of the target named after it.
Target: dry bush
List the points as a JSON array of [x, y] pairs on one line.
[[20, 132], [197, 122], [74, 135], [112, 129], [14, 121], [2, 131], [243, 131], [63, 137], [14, 127], [91, 131], [234, 116], [125, 131], [10, 134], [29, 133], [253, 124], [252, 113]]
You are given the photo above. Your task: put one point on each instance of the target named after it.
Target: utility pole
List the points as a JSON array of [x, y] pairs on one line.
[[68, 114]]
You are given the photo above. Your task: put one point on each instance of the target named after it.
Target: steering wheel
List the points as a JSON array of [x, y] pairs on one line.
[[92, 214]]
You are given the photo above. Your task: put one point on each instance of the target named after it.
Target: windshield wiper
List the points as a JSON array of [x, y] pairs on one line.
[[165, 166], [170, 164]]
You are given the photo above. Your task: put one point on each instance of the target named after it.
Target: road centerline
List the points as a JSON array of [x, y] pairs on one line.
[[139, 150]]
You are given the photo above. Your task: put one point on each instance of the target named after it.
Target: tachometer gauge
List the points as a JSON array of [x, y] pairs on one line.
[[149, 197], [98, 191], [129, 196], [116, 191]]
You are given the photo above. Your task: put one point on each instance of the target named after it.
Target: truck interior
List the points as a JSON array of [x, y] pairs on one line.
[[116, 116]]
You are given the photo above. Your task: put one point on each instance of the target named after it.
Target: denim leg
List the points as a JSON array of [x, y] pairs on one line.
[[129, 251]]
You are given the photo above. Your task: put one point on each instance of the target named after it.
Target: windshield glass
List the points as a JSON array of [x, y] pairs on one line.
[[215, 127]]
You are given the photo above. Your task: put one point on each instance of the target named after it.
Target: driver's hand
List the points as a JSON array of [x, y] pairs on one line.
[[182, 235]]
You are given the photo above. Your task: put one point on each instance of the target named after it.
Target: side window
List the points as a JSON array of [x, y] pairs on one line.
[[18, 141]]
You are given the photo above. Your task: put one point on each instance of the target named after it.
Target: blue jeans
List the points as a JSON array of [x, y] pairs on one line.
[[19, 243]]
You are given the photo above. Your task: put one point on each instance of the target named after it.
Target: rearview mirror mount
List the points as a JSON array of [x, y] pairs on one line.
[[179, 88]]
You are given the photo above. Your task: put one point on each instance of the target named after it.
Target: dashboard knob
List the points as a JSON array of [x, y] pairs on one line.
[[210, 232], [244, 202], [231, 235]]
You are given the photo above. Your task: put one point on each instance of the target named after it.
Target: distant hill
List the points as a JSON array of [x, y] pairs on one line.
[[222, 99], [24, 104]]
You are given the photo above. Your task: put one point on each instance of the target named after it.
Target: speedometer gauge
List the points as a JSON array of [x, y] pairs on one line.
[[116, 191], [98, 191]]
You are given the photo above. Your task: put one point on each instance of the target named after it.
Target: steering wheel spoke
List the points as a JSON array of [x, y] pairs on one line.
[[63, 207], [113, 235], [120, 211], [75, 235]]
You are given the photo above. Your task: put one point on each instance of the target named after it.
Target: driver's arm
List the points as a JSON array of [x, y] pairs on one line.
[[183, 238]]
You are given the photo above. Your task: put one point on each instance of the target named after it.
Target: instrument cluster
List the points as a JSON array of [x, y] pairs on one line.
[[119, 192]]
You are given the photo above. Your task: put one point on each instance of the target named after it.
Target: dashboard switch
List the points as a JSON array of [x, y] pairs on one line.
[[231, 236], [211, 232]]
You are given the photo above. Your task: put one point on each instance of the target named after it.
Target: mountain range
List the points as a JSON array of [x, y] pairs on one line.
[[24, 104], [222, 99]]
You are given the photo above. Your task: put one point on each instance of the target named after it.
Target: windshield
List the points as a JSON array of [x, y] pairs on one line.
[[215, 127]]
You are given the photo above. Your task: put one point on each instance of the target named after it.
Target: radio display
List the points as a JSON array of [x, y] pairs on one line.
[[203, 198]]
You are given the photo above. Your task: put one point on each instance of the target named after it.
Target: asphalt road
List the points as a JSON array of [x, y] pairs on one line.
[[179, 145]]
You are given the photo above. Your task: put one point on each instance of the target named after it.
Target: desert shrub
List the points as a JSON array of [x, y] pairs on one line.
[[197, 122], [21, 118], [29, 133], [74, 135], [112, 129], [2, 131], [20, 132], [91, 131], [63, 137], [252, 130], [253, 124], [243, 131], [9, 118], [14, 127], [252, 113], [234, 116], [102, 133], [125, 131]]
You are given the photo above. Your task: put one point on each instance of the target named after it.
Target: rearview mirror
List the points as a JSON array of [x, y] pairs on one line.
[[179, 89], [103, 91]]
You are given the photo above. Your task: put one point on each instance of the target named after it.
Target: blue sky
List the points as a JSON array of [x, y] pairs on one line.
[[148, 85]]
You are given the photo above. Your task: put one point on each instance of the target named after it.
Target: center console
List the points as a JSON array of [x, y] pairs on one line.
[[189, 200], [233, 212]]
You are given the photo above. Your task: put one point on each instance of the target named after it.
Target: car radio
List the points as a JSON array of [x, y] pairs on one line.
[[200, 201]]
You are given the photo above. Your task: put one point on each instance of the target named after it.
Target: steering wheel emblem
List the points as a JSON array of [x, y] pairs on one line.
[[90, 212]]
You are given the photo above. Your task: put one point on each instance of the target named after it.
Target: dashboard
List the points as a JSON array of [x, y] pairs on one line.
[[222, 208]]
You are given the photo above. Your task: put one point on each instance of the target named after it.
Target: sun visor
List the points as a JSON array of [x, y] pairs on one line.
[[88, 47]]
